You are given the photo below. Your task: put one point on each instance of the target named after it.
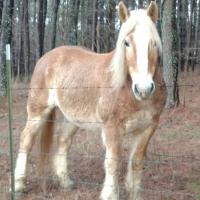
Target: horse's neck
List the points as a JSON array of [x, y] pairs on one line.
[[107, 58], [103, 68]]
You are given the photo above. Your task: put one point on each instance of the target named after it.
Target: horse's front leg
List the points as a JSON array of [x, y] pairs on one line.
[[111, 140], [135, 165]]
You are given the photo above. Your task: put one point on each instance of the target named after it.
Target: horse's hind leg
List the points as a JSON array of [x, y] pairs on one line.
[[60, 160], [135, 165], [32, 128]]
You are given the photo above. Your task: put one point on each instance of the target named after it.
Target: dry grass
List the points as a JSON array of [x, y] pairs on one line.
[[172, 168]]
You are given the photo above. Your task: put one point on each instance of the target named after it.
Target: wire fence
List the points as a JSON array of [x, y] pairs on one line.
[[171, 170], [160, 160]]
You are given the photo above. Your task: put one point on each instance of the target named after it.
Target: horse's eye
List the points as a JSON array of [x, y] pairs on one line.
[[127, 44]]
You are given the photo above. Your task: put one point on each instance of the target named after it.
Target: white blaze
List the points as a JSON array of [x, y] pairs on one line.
[[141, 38], [141, 76]]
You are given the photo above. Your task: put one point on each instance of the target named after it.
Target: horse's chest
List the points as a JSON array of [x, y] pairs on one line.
[[139, 121]]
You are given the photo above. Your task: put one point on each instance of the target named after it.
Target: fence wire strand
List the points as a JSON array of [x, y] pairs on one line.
[[90, 87], [153, 159]]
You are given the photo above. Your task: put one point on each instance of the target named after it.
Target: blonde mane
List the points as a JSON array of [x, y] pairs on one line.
[[118, 63]]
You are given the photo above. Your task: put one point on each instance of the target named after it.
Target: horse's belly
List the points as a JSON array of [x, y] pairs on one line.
[[79, 107], [83, 117], [88, 122], [139, 121]]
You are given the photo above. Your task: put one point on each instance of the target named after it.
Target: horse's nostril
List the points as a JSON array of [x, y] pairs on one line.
[[152, 87], [136, 89]]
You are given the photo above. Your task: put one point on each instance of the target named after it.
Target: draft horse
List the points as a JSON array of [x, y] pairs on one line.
[[117, 92]]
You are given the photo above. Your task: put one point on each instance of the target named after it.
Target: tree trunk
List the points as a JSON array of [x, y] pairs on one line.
[[159, 22], [169, 53], [83, 21], [183, 31], [72, 32], [101, 27], [140, 4], [34, 36], [63, 24], [180, 52], [41, 26], [110, 26], [5, 38], [193, 34], [75, 21], [20, 62], [54, 22], [94, 25], [1, 10], [88, 32], [188, 39], [198, 34], [26, 40], [132, 4], [98, 37]]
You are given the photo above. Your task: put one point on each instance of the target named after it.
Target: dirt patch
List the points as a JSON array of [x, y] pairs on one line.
[[172, 168]]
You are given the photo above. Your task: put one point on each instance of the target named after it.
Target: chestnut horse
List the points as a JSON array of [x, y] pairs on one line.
[[116, 92]]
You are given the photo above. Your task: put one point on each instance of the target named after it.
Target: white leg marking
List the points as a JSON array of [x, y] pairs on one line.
[[60, 164], [20, 171], [60, 159], [52, 100], [110, 188]]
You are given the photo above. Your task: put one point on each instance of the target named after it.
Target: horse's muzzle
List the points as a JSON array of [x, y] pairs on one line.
[[143, 92]]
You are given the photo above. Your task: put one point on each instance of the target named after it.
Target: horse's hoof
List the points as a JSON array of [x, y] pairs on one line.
[[19, 186], [68, 184], [20, 194], [20, 189], [108, 193]]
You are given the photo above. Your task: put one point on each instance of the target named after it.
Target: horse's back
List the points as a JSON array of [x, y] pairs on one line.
[[70, 78], [74, 62]]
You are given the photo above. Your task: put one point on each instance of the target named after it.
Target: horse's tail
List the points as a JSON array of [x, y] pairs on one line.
[[46, 140]]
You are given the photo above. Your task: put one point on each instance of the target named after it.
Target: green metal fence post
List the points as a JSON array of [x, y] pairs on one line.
[[9, 102]]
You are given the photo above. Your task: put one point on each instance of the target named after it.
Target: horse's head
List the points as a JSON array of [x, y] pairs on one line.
[[138, 50]]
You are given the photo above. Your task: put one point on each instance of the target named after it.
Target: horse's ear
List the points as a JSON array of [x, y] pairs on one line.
[[152, 11], [123, 12]]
